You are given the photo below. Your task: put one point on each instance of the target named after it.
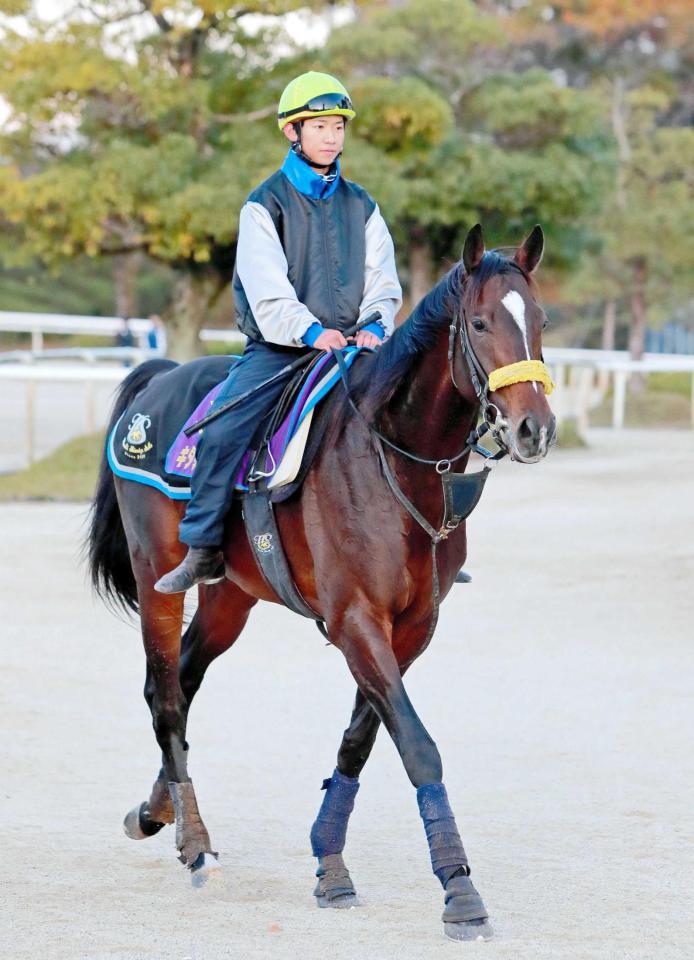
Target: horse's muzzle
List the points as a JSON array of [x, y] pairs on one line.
[[531, 439]]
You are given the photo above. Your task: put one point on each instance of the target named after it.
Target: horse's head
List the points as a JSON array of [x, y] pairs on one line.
[[500, 333]]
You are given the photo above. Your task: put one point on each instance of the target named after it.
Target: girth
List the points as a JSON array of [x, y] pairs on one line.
[[266, 544]]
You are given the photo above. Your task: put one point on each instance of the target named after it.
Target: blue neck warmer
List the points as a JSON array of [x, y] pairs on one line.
[[307, 180]]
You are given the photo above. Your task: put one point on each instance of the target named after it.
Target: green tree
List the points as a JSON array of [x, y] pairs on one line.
[[467, 138], [634, 55], [116, 146]]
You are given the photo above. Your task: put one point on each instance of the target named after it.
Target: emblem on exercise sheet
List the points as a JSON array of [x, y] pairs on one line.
[[263, 543], [136, 445]]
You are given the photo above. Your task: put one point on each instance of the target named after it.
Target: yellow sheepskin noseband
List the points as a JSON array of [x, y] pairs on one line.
[[519, 372]]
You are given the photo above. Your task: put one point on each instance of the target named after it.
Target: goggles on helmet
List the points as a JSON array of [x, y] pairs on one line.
[[320, 104]]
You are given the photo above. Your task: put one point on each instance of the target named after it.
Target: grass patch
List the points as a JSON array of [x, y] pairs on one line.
[[222, 347], [69, 473], [654, 408], [671, 381], [568, 437]]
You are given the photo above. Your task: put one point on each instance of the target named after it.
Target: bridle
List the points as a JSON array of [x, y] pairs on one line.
[[482, 383], [492, 420]]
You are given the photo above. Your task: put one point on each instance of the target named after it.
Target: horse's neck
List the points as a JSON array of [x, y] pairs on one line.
[[427, 414]]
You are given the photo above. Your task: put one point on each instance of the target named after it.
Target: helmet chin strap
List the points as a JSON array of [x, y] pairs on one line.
[[299, 150]]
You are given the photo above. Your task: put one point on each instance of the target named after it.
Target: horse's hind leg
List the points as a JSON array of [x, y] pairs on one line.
[[161, 626], [221, 616], [335, 887], [151, 815]]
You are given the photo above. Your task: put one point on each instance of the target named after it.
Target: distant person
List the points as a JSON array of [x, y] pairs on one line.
[[125, 338], [156, 335]]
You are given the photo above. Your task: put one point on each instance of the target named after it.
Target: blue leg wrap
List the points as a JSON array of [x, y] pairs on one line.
[[445, 846], [330, 829]]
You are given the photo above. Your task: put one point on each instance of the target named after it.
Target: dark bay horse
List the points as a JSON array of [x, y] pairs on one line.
[[423, 388]]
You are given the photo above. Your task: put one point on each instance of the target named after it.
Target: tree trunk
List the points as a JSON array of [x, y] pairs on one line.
[[637, 333], [420, 267], [125, 266], [609, 325], [193, 291], [619, 128]]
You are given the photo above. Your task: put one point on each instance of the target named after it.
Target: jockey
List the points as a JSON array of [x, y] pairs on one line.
[[314, 256]]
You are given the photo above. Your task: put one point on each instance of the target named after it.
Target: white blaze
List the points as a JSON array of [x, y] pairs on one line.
[[515, 305]]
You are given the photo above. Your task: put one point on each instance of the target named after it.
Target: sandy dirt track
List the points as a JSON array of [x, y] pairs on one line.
[[558, 688]]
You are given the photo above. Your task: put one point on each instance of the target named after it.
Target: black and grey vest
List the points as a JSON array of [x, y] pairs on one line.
[[324, 242]]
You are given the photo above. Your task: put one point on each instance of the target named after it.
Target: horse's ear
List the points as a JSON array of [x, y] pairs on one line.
[[473, 251], [529, 254]]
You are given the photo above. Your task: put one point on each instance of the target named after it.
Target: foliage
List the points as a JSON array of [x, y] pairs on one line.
[[141, 125]]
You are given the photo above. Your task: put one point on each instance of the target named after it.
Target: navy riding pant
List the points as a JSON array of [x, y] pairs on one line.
[[225, 440]]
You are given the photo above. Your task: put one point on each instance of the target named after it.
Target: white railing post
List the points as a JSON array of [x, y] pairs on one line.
[[619, 398], [30, 426], [558, 401], [585, 385]]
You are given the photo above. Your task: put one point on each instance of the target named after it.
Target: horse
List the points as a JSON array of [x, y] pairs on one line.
[[403, 420]]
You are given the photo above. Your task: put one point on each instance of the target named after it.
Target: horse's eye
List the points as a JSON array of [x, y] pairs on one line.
[[545, 323], [478, 324]]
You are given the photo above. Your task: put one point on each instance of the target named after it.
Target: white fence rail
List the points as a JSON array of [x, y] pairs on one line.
[[39, 324], [583, 377]]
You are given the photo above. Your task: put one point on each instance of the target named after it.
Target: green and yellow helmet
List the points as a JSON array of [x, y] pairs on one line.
[[313, 95]]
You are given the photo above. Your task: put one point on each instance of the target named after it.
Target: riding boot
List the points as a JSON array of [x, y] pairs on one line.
[[201, 565]]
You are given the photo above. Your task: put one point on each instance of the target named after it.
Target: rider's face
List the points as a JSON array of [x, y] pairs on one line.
[[322, 138]]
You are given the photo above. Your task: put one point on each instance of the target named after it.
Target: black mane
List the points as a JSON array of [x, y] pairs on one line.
[[375, 382]]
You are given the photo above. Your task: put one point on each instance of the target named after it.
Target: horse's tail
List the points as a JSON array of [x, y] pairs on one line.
[[105, 545]]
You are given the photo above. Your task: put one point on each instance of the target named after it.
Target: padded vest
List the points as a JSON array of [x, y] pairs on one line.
[[324, 242]]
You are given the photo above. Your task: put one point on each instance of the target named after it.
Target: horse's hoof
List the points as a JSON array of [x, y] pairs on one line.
[[469, 930], [137, 824], [205, 868], [347, 901]]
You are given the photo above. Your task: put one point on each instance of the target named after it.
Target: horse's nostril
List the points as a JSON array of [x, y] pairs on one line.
[[528, 428]]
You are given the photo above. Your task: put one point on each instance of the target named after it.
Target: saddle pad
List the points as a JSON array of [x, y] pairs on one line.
[[142, 449], [138, 444]]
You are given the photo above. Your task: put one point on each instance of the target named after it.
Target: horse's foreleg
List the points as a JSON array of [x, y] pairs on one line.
[[375, 668], [335, 887]]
